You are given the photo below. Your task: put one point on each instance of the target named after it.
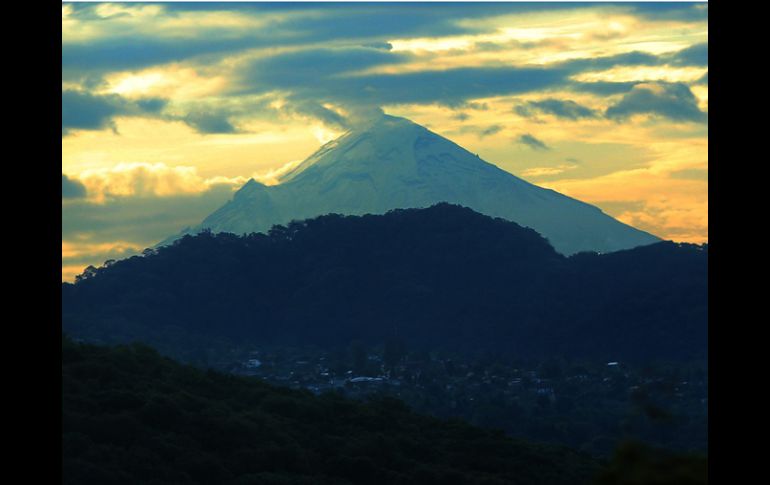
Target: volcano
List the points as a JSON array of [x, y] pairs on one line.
[[393, 163]]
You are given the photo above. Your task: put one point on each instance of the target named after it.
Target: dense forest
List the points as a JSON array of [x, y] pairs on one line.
[[131, 416], [441, 278]]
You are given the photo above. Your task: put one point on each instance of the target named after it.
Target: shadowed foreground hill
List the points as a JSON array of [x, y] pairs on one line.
[[444, 277], [131, 416]]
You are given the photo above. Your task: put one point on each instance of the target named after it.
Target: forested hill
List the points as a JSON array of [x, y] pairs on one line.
[[131, 416], [444, 277]]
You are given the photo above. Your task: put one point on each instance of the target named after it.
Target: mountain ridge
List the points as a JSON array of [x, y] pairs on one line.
[[443, 277]]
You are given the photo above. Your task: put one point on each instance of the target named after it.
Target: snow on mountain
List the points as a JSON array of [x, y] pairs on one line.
[[394, 163]]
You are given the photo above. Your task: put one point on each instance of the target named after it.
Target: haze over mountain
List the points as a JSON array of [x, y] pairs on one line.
[[390, 163]]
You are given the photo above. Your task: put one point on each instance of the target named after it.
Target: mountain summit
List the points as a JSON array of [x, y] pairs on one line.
[[392, 163]]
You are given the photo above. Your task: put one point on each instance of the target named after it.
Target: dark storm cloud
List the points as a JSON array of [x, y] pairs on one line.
[[72, 188], [560, 108], [532, 142], [670, 100]]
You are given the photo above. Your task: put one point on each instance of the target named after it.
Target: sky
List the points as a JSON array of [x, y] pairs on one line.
[[168, 108]]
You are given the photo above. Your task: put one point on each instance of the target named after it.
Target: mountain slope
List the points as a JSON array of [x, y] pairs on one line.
[[130, 416], [444, 277], [394, 163]]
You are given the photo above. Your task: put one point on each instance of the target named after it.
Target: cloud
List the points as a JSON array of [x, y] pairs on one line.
[[560, 108], [95, 58], [491, 130], [634, 58], [341, 77], [451, 87], [277, 70], [345, 76], [89, 112], [357, 64], [691, 174], [695, 55], [603, 88], [545, 171], [85, 111], [152, 105], [98, 38], [139, 221], [116, 228], [674, 101], [148, 180], [532, 142], [273, 177], [82, 254], [480, 131], [72, 188], [356, 67], [667, 11], [318, 111], [209, 122]]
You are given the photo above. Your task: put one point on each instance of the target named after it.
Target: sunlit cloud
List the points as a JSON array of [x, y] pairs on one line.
[[540, 171], [273, 177], [110, 20], [644, 73], [173, 81], [147, 179]]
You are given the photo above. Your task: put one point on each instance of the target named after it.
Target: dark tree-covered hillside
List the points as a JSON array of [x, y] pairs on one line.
[[131, 416], [444, 277]]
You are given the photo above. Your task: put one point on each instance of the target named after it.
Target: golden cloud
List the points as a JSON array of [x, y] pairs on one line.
[[540, 171], [147, 179]]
